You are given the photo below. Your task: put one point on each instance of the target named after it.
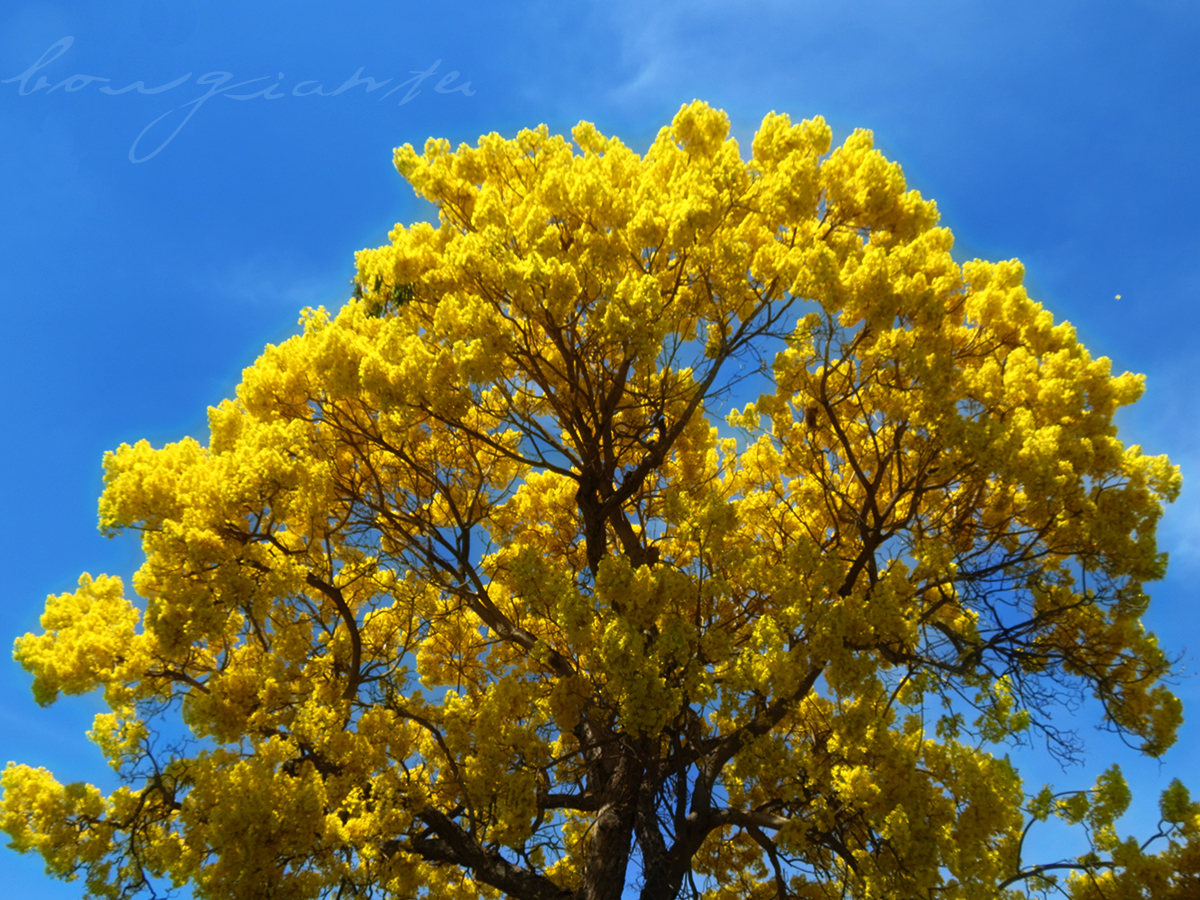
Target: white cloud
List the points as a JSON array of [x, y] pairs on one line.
[[260, 280]]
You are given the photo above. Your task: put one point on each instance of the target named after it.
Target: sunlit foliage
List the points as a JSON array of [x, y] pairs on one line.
[[672, 524]]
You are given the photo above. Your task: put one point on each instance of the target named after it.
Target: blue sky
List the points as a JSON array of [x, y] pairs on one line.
[[134, 292]]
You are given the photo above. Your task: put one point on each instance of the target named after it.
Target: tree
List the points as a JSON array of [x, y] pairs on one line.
[[472, 594]]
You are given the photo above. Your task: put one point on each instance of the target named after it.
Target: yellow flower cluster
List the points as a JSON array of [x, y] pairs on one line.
[[486, 579]]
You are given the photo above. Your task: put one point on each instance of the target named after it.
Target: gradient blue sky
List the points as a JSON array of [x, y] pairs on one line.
[[1065, 134]]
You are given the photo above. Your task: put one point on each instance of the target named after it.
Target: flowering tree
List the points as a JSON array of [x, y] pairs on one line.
[[486, 586]]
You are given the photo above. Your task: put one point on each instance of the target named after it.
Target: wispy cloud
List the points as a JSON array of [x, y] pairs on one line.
[[262, 280]]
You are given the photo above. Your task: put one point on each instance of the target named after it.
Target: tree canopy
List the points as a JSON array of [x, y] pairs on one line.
[[668, 526]]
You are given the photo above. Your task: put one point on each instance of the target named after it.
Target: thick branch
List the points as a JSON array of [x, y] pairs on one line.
[[455, 846], [347, 615], [580, 802]]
